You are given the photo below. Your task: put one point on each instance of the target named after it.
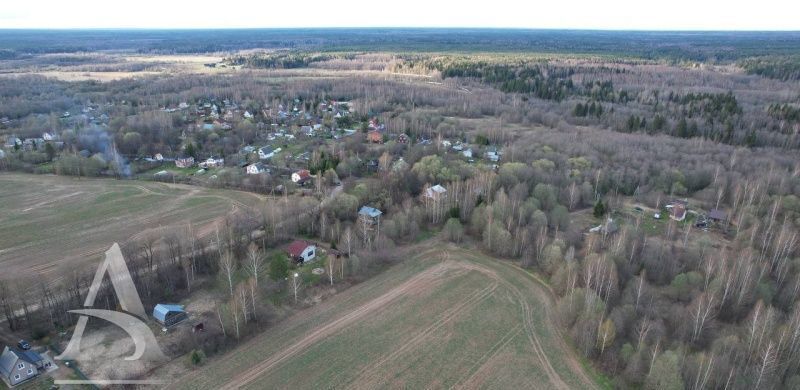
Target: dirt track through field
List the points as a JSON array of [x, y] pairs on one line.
[[367, 377], [421, 281], [522, 348]]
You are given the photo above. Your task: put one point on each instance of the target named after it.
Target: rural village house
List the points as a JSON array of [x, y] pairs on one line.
[[267, 152], [436, 192], [677, 210], [370, 213], [301, 251], [255, 169], [18, 366]]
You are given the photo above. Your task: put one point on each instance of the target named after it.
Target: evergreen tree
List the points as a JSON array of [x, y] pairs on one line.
[[190, 150], [682, 129], [599, 209]]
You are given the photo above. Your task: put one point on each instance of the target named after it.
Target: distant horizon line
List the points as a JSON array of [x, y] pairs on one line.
[[395, 28]]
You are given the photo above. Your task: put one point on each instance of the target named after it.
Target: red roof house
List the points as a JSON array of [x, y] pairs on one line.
[[301, 251]]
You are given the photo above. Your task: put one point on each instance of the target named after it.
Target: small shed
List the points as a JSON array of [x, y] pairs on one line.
[[169, 314]]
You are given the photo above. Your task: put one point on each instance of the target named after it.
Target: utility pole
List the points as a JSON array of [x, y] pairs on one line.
[[296, 285]]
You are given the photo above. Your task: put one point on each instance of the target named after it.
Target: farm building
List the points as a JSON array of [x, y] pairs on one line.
[[18, 366], [301, 251], [169, 314]]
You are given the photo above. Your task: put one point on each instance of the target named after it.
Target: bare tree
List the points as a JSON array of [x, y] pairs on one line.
[[348, 240], [255, 263], [228, 266]]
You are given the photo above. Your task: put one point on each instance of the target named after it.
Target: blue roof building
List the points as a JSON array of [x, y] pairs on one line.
[[370, 212], [169, 314]]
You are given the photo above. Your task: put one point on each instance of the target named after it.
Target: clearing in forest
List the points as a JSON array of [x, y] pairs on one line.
[[447, 317]]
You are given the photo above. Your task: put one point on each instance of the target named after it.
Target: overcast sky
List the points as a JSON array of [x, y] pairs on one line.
[[580, 14]]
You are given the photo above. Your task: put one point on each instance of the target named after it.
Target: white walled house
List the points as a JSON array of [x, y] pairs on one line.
[[302, 251]]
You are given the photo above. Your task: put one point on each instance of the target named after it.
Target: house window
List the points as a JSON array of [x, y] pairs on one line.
[[20, 366], [30, 371], [310, 253], [16, 377]]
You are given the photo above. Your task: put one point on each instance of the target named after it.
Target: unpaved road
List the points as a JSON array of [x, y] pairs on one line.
[[400, 330]]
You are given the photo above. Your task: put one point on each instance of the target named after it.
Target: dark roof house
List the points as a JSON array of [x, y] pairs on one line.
[[18, 366]]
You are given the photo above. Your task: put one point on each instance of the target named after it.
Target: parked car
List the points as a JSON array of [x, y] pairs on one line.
[[24, 345]]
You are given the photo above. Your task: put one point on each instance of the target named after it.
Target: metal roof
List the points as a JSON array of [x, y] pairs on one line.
[[370, 211], [7, 361], [162, 309]]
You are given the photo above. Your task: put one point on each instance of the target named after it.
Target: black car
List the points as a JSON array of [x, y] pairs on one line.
[[23, 345]]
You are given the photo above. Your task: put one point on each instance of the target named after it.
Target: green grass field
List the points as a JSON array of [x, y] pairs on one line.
[[447, 317], [52, 225]]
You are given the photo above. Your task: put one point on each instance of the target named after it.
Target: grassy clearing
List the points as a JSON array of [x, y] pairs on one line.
[[446, 317], [51, 225]]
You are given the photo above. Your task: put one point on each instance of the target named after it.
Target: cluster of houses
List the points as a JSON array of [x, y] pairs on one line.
[[492, 153], [21, 363], [302, 251], [33, 144], [678, 209]]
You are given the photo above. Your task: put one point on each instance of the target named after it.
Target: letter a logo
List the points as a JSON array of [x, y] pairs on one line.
[[143, 338]]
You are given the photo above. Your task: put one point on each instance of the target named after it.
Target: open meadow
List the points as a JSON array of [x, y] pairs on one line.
[[51, 225], [446, 317]]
